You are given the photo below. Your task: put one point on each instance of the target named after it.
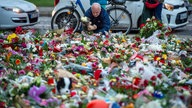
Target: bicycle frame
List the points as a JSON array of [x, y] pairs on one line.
[[78, 2]]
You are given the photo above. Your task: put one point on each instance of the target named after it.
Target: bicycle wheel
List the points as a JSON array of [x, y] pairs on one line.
[[66, 18], [120, 19]]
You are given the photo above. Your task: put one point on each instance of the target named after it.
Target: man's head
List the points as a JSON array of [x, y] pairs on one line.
[[96, 9]]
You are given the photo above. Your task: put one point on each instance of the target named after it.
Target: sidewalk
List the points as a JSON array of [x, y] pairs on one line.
[[45, 11]]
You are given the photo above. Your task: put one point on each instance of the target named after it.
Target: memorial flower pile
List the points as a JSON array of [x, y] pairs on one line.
[[144, 71]]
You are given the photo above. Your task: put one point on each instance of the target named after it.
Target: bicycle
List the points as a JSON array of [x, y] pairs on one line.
[[119, 16], [69, 16]]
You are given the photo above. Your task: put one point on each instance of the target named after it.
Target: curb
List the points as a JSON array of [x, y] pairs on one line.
[[45, 11]]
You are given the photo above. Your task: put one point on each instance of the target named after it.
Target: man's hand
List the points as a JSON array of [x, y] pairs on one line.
[[91, 27]]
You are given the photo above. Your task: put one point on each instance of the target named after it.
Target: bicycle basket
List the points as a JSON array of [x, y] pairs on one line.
[[118, 2]]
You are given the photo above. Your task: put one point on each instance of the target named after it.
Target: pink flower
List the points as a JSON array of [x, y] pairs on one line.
[[1, 40], [21, 72], [24, 45]]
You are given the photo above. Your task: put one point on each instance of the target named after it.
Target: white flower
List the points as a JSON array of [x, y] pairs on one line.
[[186, 93], [173, 62], [152, 104], [84, 19], [119, 97], [155, 47], [24, 85], [182, 81], [150, 89], [34, 50]]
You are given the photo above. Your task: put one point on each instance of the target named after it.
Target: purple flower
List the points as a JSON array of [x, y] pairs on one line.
[[24, 45], [37, 61], [35, 92], [80, 48], [13, 52], [52, 101]]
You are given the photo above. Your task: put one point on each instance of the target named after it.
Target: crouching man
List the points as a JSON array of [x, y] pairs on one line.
[[99, 19]]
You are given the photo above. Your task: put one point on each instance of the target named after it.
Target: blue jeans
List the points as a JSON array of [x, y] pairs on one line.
[[158, 11]]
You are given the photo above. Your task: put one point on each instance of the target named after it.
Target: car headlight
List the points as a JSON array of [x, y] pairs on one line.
[[14, 9], [168, 7]]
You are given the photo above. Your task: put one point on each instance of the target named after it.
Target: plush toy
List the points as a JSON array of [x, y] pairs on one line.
[[35, 92], [64, 85]]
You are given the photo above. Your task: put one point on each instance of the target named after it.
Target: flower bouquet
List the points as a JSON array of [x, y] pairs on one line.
[[152, 25]]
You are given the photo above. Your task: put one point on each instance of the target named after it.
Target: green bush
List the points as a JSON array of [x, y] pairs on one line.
[[45, 3]]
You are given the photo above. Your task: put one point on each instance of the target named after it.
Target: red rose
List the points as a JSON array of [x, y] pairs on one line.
[[160, 24], [146, 82], [118, 56], [160, 75], [138, 39], [136, 81], [106, 42], [83, 72], [73, 73], [134, 45], [2, 104], [142, 25], [104, 89], [153, 78], [187, 69], [69, 31]]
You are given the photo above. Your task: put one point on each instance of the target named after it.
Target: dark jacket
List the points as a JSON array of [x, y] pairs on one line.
[[102, 21], [148, 13]]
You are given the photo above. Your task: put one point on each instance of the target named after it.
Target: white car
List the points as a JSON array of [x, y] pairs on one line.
[[174, 13], [16, 13]]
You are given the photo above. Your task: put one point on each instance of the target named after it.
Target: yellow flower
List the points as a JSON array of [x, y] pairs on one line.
[[158, 58], [83, 64], [178, 62], [11, 36], [163, 46], [164, 56], [53, 56], [123, 40], [114, 80], [178, 42], [8, 56], [77, 75]]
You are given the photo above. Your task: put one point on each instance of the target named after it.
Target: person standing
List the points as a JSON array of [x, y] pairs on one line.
[[152, 8]]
